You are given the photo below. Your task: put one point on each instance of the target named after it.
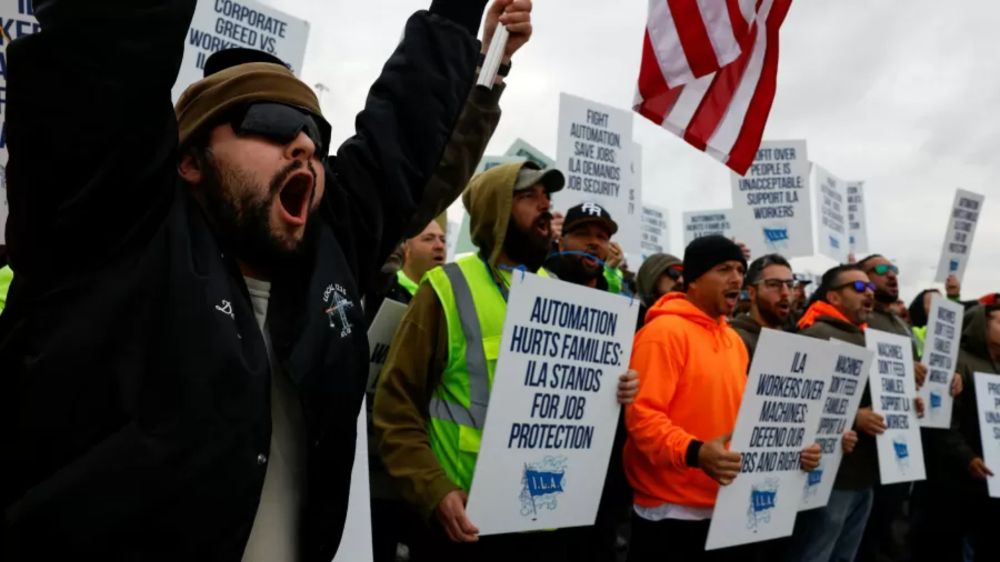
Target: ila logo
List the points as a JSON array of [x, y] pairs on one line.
[[336, 305], [541, 483], [762, 502]]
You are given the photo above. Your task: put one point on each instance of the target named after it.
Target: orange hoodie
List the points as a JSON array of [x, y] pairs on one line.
[[821, 308], [692, 375]]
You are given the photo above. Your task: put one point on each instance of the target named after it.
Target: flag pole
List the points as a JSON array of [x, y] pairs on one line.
[[488, 72]]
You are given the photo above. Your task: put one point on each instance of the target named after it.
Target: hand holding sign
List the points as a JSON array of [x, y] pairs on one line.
[[956, 384], [849, 441], [868, 421], [920, 373], [810, 456], [719, 463], [628, 386], [451, 514], [979, 470]]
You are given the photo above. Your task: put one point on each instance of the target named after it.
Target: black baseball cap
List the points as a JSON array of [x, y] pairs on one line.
[[588, 213]]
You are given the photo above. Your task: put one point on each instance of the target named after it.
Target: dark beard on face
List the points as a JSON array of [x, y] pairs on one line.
[[571, 269], [526, 247], [768, 315], [885, 297], [242, 217]]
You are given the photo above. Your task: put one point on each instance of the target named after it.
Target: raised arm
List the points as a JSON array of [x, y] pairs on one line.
[[91, 130]]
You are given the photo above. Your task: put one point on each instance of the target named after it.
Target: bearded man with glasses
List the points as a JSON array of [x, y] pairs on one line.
[[769, 283]]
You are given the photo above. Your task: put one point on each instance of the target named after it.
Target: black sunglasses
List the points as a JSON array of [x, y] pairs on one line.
[[282, 123], [859, 286]]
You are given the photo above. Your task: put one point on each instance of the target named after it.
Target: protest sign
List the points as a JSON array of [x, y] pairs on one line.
[[705, 223], [893, 388], [772, 211], [226, 24], [493, 161], [629, 234], [380, 335], [778, 418], [552, 410], [831, 222], [857, 219], [944, 332], [356, 542], [958, 238], [841, 398], [18, 20], [521, 150], [655, 230], [988, 403], [596, 154]]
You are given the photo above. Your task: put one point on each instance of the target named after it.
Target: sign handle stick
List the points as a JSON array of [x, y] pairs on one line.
[[488, 72]]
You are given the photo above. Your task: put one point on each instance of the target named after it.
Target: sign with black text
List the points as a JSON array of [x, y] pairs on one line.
[[894, 389], [944, 333], [958, 238], [778, 417], [552, 412], [988, 401]]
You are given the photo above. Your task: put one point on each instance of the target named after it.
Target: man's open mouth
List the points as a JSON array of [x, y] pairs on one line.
[[295, 197]]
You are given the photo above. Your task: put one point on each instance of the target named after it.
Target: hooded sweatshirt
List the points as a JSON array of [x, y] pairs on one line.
[[693, 375], [962, 442], [646, 280], [419, 354]]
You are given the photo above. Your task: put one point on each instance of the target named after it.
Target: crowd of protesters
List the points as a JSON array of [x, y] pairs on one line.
[[184, 301]]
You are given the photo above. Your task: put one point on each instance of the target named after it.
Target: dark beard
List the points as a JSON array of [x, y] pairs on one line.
[[571, 269], [242, 217], [525, 247], [769, 316], [885, 297]]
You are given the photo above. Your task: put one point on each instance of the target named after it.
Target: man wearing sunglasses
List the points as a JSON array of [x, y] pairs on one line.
[[183, 354], [658, 275], [769, 283], [840, 310]]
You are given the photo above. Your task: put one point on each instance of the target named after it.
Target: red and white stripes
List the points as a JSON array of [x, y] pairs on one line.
[[690, 86]]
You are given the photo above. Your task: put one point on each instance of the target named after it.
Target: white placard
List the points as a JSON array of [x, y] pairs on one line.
[[988, 403], [831, 220], [857, 218], [771, 204], [655, 230], [356, 542], [18, 20], [944, 333], [958, 238], [521, 150], [226, 24], [595, 152], [552, 410], [630, 235], [705, 223], [841, 398], [893, 388], [778, 418], [380, 335]]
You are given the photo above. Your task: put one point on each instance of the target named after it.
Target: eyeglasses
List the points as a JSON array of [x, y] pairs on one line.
[[776, 284], [282, 123], [675, 272], [859, 286], [883, 268]]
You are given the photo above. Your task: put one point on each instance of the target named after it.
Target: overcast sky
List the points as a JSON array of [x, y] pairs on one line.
[[903, 95]]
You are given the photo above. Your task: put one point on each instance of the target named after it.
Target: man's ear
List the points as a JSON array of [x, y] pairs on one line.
[[190, 167]]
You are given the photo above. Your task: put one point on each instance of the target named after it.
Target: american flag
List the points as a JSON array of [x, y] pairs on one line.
[[708, 74]]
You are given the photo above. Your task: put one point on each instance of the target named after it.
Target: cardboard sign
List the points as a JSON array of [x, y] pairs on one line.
[[18, 20], [655, 230], [706, 223], [831, 221], [380, 335], [596, 153], [988, 401], [857, 218], [226, 24], [778, 418], [520, 149], [944, 333], [958, 238], [772, 212], [552, 410], [893, 388], [841, 398]]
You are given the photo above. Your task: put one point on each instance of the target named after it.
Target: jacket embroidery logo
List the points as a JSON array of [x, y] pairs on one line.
[[335, 306], [226, 308]]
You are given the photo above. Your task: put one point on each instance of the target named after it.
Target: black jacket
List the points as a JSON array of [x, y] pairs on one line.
[[134, 379]]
